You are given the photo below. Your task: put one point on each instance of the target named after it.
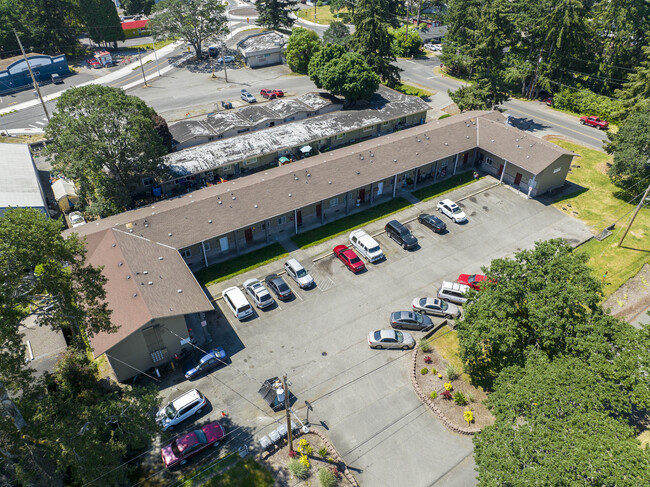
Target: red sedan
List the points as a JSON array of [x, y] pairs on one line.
[[349, 258], [186, 446], [471, 280]]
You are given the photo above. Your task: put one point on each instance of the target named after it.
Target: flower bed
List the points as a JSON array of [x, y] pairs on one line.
[[317, 452], [447, 402]]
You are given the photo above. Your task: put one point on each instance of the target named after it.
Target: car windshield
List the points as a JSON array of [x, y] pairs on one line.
[[283, 287], [400, 336], [301, 273], [423, 301], [374, 249], [200, 435], [456, 210], [170, 411], [355, 260], [444, 305], [175, 449], [377, 335], [265, 297], [471, 278], [418, 317]]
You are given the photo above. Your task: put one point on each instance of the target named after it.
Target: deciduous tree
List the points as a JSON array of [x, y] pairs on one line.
[[106, 141], [303, 44], [405, 44], [132, 7], [192, 21], [275, 14], [343, 73], [337, 33]]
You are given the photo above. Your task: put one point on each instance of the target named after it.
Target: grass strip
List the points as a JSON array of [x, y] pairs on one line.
[[245, 473], [433, 191], [238, 265], [208, 470], [349, 223], [411, 90]]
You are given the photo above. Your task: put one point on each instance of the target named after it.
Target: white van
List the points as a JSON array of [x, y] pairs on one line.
[[237, 302], [453, 292], [366, 245]]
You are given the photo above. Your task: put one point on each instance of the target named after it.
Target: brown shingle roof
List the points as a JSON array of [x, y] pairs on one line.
[[130, 264]]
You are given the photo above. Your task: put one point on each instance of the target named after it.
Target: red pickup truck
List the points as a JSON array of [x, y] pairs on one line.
[[594, 122]]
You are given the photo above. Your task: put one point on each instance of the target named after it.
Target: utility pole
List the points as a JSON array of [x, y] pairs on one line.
[[142, 68], [223, 58], [155, 53], [31, 73], [636, 211], [286, 408]]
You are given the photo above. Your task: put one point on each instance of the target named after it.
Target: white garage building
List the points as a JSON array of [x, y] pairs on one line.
[[263, 49]]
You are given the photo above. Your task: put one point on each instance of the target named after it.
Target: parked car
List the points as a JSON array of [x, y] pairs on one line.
[[182, 448], [76, 219], [56, 79], [436, 307], [211, 360], [401, 234], [93, 63], [278, 93], [228, 59], [266, 93], [410, 320], [351, 260], [236, 301], [390, 339], [471, 280], [453, 292], [433, 222], [247, 97], [298, 273], [549, 101], [258, 293], [594, 122], [366, 245], [452, 210], [180, 409], [278, 286]]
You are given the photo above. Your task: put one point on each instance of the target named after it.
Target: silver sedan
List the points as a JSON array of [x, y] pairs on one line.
[[390, 339], [436, 307]]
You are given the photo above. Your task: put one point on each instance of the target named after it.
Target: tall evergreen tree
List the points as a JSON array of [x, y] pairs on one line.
[[371, 38], [101, 20], [132, 7], [275, 14]]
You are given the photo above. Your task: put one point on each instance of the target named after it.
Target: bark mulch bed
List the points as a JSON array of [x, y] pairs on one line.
[[449, 412], [277, 459]]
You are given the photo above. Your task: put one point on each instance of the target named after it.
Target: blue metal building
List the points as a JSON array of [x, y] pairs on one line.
[[16, 76]]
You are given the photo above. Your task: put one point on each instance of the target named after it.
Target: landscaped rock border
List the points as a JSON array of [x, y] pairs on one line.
[[429, 402], [330, 450]]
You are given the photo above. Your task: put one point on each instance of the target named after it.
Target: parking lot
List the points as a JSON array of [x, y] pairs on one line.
[[363, 397]]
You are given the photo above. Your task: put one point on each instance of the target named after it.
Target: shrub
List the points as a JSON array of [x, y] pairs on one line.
[[451, 372], [298, 469], [588, 103], [326, 478], [446, 394], [424, 345], [439, 376], [304, 447], [330, 459], [428, 359], [433, 394], [323, 452], [292, 453], [424, 371], [304, 460], [448, 386], [446, 115], [469, 416], [470, 397], [459, 398], [433, 371]]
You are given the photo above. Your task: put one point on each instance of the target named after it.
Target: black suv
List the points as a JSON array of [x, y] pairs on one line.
[[400, 234]]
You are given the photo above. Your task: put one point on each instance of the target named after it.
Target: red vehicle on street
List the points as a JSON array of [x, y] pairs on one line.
[[178, 451], [349, 258], [278, 93], [93, 63], [471, 280], [594, 122], [267, 94]]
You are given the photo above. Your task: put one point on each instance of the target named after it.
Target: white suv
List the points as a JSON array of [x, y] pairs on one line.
[[258, 293], [453, 292], [180, 409], [452, 210], [297, 272]]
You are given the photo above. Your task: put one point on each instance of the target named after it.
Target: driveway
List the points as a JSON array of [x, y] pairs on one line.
[[363, 397]]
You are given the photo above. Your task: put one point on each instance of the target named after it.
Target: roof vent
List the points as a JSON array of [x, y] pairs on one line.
[[179, 291], [153, 207], [358, 173], [219, 202], [394, 160], [417, 153], [427, 137], [417, 139], [131, 230], [289, 195], [308, 174], [209, 221], [467, 136], [135, 294], [128, 277], [446, 143], [234, 198], [372, 155], [492, 140], [150, 283], [153, 212], [160, 257], [255, 206], [113, 245], [295, 177], [145, 272], [169, 234], [329, 182]]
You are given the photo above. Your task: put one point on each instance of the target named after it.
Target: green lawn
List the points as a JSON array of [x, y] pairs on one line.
[[349, 223], [411, 90], [238, 265], [149, 46], [598, 207], [433, 191], [445, 341], [245, 473], [323, 15]]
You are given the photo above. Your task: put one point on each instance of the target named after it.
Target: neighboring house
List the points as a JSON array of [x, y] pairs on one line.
[[263, 49], [433, 33], [20, 185], [246, 153], [135, 28], [65, 194], [229, 123], [224, 220], [14, 73], [44, 345], [154, 299]]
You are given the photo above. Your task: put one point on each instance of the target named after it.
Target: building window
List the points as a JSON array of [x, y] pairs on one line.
[[289, 119], [209, 176], [252, 160], [186, 254], [206, 246], [488, 161], [334, 202], [282, 220], [557, 170], [368, 129], [340, 136], [385, 124], [243, 130], [147, 181], [226, 169]]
